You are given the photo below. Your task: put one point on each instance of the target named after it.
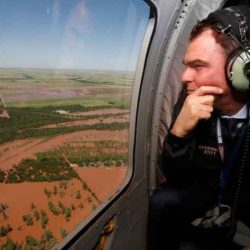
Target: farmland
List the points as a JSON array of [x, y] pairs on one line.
[[63, 150]]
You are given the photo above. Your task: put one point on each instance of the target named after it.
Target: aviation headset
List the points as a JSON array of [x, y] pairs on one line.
[[235, 22]]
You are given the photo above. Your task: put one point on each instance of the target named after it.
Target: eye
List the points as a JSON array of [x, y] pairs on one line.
[[198, 66]]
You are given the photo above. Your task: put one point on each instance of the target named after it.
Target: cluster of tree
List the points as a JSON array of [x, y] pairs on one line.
[[10, 245], [63, 232], [38, 132], [107, 159], [22, 126], [36, 215], [2, 175], [43, 168], [44, 218], [47, 192], [4, 230], [47, 241], [22, 119], [28, 220], [96, 156], [66, 211], [101, 116], [61, 208], [116, 79], [3, 210], [63, 185], [89, 199], [57, 189], [53, 209], [26, 122], [108, 126], [78, 194], [111, 144]]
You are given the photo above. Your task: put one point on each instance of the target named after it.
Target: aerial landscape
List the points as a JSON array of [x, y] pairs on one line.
[[63, 150]]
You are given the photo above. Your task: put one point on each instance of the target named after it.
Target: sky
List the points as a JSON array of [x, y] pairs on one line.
[[72, 34]]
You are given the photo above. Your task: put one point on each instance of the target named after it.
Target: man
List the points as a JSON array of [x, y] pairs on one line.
[[207, 194]]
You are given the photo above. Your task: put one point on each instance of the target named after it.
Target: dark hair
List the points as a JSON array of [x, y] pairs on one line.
[[226, 42]]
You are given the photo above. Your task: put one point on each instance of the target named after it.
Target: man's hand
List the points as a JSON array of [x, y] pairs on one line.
[[197, 106], [246, 248]]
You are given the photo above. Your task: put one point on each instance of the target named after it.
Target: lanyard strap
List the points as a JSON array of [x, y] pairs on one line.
[[220, 140]]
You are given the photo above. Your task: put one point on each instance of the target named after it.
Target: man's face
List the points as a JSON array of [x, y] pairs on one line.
[[205, 64]]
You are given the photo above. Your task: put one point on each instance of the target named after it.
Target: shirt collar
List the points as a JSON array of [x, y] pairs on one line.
[[241, 114]]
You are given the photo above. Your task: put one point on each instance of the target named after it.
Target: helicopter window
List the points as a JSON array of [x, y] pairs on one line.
[[67, 71]]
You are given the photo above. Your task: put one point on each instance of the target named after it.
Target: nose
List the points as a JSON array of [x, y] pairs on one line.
[[187, 75]]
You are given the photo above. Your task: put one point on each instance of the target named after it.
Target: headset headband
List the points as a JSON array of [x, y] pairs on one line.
[[242, 24], [233, 21]]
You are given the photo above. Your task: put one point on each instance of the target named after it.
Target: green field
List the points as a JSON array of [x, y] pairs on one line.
[[44, 87], [70, 76]]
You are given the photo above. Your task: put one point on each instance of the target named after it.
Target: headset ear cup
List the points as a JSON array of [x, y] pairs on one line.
[[238, 70]]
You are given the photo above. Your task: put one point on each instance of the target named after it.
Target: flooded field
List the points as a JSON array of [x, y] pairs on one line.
[[63, 150]]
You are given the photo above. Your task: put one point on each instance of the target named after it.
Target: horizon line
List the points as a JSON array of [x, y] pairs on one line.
[[75, 69]]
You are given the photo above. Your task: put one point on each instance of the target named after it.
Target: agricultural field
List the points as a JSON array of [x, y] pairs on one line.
[[63, 150]]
